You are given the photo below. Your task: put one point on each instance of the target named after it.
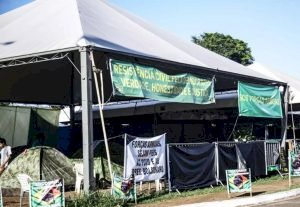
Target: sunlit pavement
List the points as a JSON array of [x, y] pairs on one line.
[[279, 197], [286, 203]]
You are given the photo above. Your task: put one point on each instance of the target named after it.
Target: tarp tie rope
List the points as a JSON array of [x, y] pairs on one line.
[[74, 65], [111, 138], [233, 127]]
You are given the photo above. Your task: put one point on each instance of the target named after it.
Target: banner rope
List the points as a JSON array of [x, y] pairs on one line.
[[233, 127]]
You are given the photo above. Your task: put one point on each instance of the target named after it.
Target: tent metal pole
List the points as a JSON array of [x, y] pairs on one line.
[[168, 165], [87, 119], [293, 124], [284, 119], [100, 105]]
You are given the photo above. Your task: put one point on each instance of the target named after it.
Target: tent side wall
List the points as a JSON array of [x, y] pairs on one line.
[[28, 163], [14, 125], [56, 165], [52, 166]]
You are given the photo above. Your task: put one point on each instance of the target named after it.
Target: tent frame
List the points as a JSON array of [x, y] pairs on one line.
[[86, 89]]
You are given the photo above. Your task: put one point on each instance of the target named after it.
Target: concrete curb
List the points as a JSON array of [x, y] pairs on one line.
[[248, 201]]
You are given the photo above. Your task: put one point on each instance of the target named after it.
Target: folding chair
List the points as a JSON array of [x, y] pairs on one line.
[[24, 181]]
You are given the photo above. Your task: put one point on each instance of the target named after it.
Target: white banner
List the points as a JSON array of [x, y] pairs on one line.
[[145, 157]]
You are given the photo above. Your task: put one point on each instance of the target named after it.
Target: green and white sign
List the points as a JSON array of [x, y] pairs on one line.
[[294, 165], [47, 193], [123, 188], [135, 80], [259, 101], [238, 181]]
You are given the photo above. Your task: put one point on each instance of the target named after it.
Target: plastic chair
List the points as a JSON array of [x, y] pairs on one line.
[[78, 168], [24, 180]]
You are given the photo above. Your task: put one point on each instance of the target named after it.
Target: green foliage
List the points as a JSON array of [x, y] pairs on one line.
[[244, 132], [234, 49], [96, 199]]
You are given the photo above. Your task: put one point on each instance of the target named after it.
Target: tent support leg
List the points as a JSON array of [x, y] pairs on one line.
[[100, 106], [285, 115], [87, 119]]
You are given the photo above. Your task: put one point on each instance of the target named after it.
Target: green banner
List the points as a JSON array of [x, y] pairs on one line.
[[238, 181], [47, 193], [135, 80], [259, 101]]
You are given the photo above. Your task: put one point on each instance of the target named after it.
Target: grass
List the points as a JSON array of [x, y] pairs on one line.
[[159, 197], [155, 198], [98, 199], [269, 179]]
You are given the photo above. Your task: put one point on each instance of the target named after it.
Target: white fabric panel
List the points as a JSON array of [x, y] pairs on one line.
[[40, 26], [46, 25], [276, 75]]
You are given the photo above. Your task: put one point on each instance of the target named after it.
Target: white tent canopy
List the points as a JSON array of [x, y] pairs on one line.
[[279, 76], [51, 25], [44, 56]]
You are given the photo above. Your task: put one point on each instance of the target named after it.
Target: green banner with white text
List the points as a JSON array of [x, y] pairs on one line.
[[135, 80], [259, 101]]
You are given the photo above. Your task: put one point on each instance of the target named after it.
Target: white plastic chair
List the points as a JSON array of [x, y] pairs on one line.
[[24, 180], [78, 168]]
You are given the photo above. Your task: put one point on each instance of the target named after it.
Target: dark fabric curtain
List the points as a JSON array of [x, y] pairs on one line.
[[254, 156], [192, 166], [227, 159]]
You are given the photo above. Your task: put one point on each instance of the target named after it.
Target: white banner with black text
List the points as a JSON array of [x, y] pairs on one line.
[[145, 157]]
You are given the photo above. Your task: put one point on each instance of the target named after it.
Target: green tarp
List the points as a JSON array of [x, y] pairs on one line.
[[259, 101], [147, 82], [21, 125]]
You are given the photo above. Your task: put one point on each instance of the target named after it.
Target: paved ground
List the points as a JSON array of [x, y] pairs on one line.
[[295, 202]]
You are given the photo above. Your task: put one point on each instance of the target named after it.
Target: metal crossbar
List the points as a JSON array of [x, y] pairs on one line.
[[35, 59]]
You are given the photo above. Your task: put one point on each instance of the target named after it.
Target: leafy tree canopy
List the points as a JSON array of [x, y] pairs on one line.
[[234, 49]]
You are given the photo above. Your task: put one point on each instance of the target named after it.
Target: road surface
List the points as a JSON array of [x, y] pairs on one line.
[[295, 202]]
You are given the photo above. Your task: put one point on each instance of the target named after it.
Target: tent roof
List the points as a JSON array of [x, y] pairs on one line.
[[52, 25], [276, 75]]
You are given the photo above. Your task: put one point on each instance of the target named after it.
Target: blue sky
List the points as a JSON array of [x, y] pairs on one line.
[[270, 27]]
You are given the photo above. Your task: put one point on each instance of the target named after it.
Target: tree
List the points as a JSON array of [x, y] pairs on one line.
[[234, 49]]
